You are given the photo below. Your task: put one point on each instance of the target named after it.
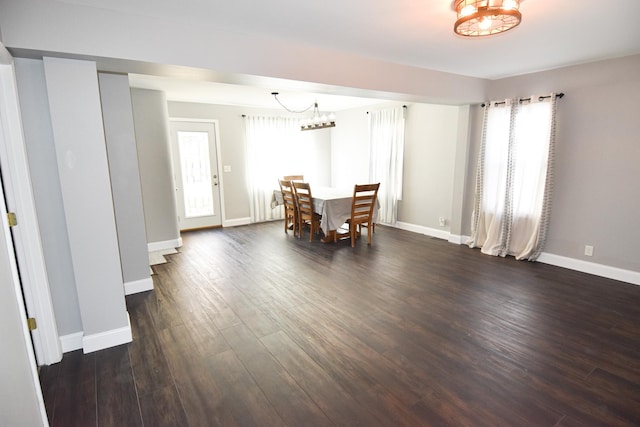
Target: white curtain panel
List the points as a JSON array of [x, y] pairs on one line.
[[386, 158], [514, 178], [273, 147]]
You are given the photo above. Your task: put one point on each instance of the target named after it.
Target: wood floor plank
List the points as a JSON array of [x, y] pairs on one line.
[[251, 326], [150, 369], [75, 403], [290, 401], [117, 399], [163, 408], [201, 395], [242, 394], [335, 401]]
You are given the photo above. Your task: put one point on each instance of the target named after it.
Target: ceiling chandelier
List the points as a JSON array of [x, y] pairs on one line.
[[486, 17], [317, 120]]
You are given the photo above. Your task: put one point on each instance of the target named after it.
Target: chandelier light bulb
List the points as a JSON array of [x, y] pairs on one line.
[[316, 121], [485, 23], [467, 10], [509, 5]]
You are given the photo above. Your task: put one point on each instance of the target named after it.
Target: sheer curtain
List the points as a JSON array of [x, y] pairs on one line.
[[514, 178], [272, 145], [386, 152]]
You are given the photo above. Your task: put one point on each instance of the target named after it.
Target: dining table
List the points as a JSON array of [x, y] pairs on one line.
[[334, 206]]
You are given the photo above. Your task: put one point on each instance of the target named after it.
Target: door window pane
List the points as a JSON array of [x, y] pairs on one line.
[[193, 148]]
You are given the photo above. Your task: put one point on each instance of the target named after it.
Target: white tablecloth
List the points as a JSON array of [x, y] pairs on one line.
[[334, 204]]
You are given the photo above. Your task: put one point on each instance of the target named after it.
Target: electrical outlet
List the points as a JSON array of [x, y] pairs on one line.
[[588, 250], [442, 221]]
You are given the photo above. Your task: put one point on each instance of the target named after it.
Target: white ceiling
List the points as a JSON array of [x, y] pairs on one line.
[[245, 96], [553, 34]]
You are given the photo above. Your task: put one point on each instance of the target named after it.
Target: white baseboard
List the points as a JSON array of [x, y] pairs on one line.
[[433, 232], [601, 270], [107, 339], [166, 244], [71, 342], [236, 222], [458, 240], [137, 286]]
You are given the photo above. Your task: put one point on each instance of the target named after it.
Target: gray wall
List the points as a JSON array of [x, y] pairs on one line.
[[596, 196], [431, 133], [117, 115], [315, 145], [76, 118], [429, 164], [156, 172], [350, 147], [32, 91]]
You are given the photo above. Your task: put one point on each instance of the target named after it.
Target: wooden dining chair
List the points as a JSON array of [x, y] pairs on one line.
[[293, 177], [362, 205], [289, 202], [304, 205]]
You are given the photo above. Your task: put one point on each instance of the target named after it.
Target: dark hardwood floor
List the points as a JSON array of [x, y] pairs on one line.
[[249, 326]]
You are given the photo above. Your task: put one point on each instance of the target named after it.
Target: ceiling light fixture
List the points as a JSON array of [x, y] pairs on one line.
[[486, 17], [317, 120]]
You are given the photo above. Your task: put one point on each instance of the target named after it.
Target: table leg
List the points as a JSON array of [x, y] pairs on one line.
[[329, 236]]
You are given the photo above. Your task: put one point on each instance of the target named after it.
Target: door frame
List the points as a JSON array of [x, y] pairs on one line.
[[11, 127], [33, 397], [218, 157], [19, 196]]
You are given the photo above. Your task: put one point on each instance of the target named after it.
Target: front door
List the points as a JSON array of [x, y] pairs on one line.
[[195, 163]]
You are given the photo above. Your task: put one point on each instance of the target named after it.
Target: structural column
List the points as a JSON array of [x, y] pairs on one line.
[[76, 119]]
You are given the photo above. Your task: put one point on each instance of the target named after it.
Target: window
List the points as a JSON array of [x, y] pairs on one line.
[[514, 178]]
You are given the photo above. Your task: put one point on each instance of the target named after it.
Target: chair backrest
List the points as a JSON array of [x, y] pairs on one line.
[[304, 200], [288, 196], [363, 202], [293, 177]]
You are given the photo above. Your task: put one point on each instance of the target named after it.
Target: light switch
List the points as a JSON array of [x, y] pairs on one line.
[[227, 168]]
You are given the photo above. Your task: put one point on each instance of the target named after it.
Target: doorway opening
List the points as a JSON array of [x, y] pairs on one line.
[[196, 175]]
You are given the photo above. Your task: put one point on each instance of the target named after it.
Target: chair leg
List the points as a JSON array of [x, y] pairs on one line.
[[353, 233]]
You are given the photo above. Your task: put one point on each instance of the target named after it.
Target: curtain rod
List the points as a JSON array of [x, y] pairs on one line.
[[404, 106], [540, 98]]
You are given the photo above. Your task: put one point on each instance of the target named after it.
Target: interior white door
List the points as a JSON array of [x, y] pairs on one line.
[[21, 401], [195, 164]]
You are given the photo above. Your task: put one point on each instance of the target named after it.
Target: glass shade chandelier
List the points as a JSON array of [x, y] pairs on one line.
[[317, 120], [486, 17]]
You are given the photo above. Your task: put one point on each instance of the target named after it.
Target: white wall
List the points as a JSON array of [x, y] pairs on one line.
[[163, 35]]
